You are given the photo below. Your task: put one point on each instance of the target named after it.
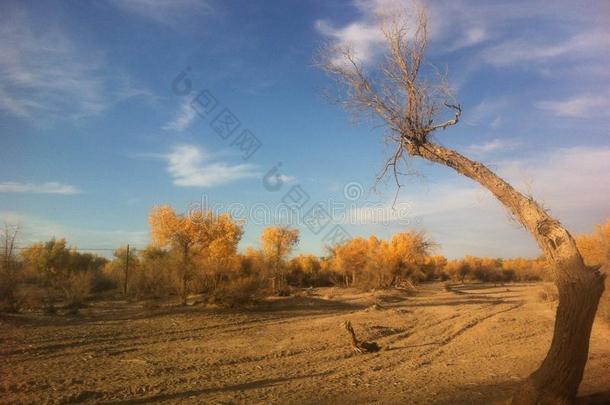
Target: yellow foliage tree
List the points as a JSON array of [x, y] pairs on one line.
[[403, 257], [351, 258], [197, 232], [596, 247], [278, 242]]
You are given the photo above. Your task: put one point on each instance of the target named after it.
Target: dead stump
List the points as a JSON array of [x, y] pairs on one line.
[[358, 346]]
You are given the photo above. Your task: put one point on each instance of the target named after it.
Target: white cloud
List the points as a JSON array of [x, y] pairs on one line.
[[494, 145], [574, 182], [184, 118], [581, 106], [190, 166], [457, 24], [167, 12], [470, 37], [42, 188], [517, 51], [45, 74], [363, 38]]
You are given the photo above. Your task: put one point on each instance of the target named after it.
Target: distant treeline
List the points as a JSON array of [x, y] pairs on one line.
[[198, 255]]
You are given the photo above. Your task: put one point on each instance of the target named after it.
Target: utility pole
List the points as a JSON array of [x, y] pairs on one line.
[[126, 271]]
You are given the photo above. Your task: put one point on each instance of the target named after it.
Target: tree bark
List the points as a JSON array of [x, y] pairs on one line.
[[580, 287]]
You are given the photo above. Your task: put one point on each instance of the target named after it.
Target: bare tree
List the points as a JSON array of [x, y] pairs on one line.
[[411, 104], [8, 267]]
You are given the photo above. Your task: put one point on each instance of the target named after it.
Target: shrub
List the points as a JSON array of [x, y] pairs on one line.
[[9, 295], [239, 292], [77, 288]]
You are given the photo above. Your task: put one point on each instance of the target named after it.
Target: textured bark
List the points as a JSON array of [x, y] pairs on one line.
[[580, 287]]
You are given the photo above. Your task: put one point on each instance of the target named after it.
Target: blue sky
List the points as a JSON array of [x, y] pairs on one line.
[[93, 134]]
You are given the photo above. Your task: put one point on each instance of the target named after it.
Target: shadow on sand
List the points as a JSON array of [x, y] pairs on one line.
[[269, 382]]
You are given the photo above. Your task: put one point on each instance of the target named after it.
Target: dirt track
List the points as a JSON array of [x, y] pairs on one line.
[[471, 345]]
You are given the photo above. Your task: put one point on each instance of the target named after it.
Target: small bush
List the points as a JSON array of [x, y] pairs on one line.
[[101, 281], [10, 298], [239, 292], [77, 287]]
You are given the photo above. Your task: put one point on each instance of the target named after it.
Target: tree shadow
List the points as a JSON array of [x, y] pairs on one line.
[[269, 382], [464, 301], [312, 305], [481, 393]]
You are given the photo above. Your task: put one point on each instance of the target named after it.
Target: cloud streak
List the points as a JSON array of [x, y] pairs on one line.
[[495, 145], [166, 12], [45, 74], [184, 118], [42, 188], [580, 106]]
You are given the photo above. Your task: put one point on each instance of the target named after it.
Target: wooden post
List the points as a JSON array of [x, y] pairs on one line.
[[126, 272]]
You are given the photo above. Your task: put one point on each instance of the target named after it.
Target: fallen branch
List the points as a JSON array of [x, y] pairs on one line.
[[357, 346]]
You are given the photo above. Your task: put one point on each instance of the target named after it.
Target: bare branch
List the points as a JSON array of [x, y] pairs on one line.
[[395, 90], [455, 120]]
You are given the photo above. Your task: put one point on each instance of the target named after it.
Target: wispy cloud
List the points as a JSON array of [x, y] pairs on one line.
[[488, 112], [167, 12], [184, 118], [363, 37], [45, 74], [517, 51], [191, 166], [581, 106], [494, 145], [41, 188]]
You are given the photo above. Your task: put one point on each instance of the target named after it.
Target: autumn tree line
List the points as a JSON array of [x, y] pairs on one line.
[[197, 256]]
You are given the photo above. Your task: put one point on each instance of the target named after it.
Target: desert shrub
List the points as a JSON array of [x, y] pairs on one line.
[[77, 288], [595, 248], [457, 270], [508, 275], [239, 291], [10, 299], [373, 263], [307, 271], [100, 282], [156, 275], [10, 271], [492, 270], [433, 268]]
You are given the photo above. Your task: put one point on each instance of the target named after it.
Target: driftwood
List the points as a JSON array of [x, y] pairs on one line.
[[357, 346]]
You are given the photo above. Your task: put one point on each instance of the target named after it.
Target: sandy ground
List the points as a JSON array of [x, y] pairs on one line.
[[472, 345]]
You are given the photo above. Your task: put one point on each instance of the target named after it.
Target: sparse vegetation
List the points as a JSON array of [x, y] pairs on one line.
[[51, 275]]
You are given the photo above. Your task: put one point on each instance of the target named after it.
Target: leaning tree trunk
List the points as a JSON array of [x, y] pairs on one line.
[[580, 287]]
